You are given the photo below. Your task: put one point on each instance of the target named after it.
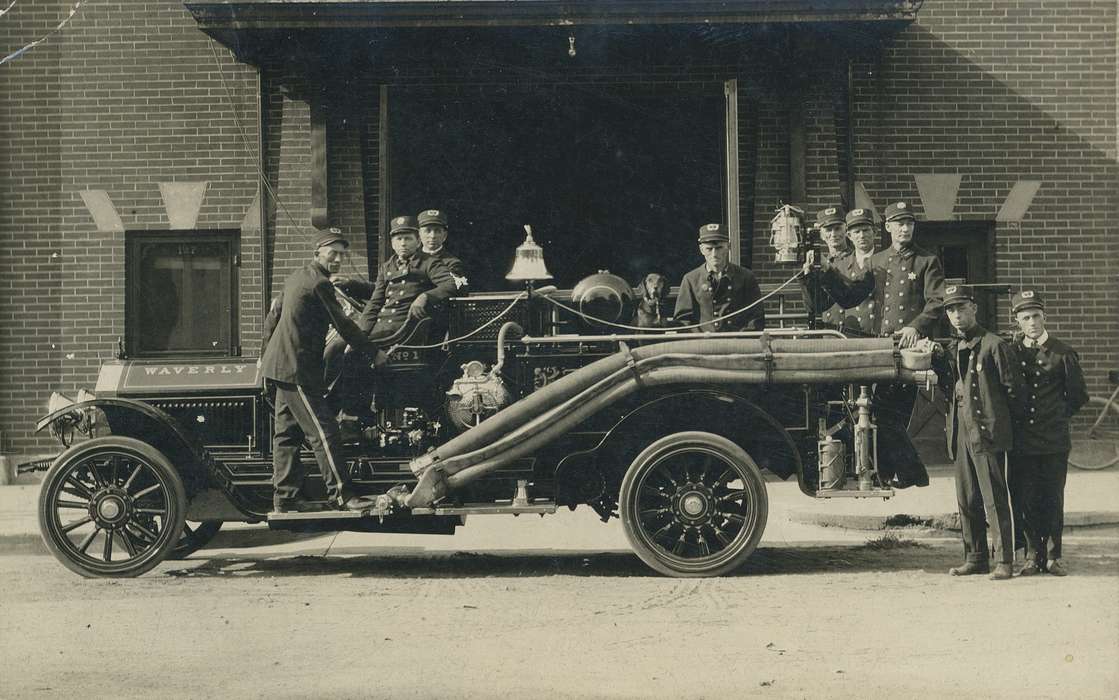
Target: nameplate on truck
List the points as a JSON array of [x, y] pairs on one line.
[[134, 377]]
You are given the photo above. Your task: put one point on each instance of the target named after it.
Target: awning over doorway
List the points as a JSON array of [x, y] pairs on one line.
[[376, 31]]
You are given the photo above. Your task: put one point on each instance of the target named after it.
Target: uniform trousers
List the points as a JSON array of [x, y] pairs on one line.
[[896, 452], [983, 498], [302, 412], [1039, 493]]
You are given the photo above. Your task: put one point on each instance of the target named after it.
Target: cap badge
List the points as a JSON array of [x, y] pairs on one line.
[[432, 212], [398, 220], [858, 212], [901, 205], [1027, 295], [950, 290], [829, 210], [712, 227]]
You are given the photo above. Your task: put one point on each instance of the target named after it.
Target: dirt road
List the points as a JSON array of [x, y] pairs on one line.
[[842, 619]]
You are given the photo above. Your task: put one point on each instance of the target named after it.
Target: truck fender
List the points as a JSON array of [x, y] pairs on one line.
[[712, 410], [153, 426]]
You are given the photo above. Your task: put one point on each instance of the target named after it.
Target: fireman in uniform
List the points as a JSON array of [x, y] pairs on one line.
[[977, 371], [1052, 392], [718, 287], [293, 365], [833, 231], [846, 277], [908, 294], [433, 237]]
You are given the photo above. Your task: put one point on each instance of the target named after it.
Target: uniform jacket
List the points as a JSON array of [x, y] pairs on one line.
[[908, 289], [455, 266], [1052, 392], [706, 300], [851, 289], [979, 392], [294, 351], [397, 286]]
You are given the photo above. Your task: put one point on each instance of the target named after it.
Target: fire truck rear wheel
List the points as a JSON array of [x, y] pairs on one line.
[[693, 504], [111, 507], [196, 535]]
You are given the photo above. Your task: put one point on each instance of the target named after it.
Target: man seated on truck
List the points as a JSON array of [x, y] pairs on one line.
[[718, 288], [409, 286]]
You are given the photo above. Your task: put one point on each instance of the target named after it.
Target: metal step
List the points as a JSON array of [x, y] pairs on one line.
[[544, 508], [320, 515], [883, 493]]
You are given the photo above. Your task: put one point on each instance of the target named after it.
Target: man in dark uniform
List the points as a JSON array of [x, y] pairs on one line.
[[718, 288], [433, 236], [908, 293], [408, 287], [845, 277], [293, 365], [833, 231], [1052, 392], [977, 372]]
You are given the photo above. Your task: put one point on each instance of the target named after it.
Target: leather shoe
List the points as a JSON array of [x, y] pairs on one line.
[[970, 567], [1030, 569], [296, 506], [358, 503], [1002, 572], [1056, 568]]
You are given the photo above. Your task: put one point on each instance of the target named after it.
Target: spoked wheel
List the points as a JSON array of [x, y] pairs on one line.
[[694, 504], [1098, 447], [112, 506], [196, 535]]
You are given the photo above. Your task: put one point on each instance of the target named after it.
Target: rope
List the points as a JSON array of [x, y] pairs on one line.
[[474, 332], [744, 309]]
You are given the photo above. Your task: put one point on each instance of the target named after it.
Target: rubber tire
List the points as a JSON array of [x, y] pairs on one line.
[[1109, 434], [190, 543], [740, 549], [154, 459]]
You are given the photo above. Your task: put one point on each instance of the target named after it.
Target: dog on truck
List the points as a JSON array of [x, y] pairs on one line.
[[651, 307]]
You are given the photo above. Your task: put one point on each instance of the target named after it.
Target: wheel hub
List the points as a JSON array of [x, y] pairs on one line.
[[110, 507], [694, 504]]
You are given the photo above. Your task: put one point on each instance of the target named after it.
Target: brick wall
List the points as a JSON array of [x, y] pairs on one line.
[[129, 95]]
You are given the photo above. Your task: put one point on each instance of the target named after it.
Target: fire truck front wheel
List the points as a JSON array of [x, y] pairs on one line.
[[693, 504], [111, 507]]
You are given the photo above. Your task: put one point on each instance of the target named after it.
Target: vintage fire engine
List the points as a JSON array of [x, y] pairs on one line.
[[534, 406]]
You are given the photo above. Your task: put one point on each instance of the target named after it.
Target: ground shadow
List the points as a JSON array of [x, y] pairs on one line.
[[906, 555]]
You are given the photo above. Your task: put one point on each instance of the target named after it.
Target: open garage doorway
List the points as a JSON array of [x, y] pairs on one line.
[[608, 176]]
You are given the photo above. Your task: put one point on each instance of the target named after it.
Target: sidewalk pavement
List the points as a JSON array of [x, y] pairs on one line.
[[1091, 499]]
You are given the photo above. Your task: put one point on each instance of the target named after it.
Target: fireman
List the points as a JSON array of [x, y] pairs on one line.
[[1052, 392], [719, 287], [293, 366], [978, 374]]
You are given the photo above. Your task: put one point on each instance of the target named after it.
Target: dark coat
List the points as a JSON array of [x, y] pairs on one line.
[[707, 301], [908, 289], [979, 398], [850, 288], [1052, 392], [397, 286], [294, 350]]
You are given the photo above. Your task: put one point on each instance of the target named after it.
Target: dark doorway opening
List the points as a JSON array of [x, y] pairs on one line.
[[609, 177]]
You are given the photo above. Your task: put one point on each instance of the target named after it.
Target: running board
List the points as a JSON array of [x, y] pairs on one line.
[[855, 493], [489, 509]]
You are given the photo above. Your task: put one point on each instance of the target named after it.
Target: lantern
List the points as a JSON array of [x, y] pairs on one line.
[[786, 232]]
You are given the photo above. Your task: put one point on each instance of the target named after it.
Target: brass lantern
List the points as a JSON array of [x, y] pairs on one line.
[[786, 232]]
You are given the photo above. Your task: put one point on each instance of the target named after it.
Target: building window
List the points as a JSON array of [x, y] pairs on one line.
[[181, 293]]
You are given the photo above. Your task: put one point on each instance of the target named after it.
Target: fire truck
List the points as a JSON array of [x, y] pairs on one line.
[[533, 401]]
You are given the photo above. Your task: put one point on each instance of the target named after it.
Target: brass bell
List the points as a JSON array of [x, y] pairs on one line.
[[528, 263]]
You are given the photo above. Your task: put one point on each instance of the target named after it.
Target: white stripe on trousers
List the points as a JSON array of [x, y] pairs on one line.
[[1009, 504], [322, 439]]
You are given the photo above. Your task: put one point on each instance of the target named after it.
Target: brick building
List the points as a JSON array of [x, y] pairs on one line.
[[135, 140]]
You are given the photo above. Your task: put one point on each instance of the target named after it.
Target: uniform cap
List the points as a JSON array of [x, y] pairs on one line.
[[856, 217], [829, 216], [331, 235], [958, 294], [709, 233], [403, 224], [432, 216], [899, 210], [1026, 299]]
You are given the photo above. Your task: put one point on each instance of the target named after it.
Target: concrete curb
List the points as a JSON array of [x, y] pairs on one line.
[[944, 521]]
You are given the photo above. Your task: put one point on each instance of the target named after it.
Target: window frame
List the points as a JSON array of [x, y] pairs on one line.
[[134, 244]]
